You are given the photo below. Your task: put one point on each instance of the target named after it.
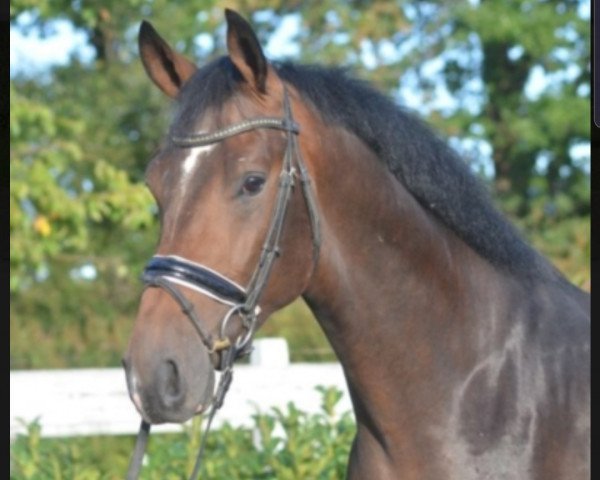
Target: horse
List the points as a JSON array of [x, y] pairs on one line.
[[466, 353]]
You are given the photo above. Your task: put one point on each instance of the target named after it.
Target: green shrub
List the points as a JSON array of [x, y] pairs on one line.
[[284, 444]]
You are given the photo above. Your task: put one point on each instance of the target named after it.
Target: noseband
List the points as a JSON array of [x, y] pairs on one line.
[[169, 271]]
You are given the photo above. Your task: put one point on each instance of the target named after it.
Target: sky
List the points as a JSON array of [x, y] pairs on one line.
[[33, 54]]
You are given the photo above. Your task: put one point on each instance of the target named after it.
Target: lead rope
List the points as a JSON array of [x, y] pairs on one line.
[[224, 384], [135, 464], [141, 442]]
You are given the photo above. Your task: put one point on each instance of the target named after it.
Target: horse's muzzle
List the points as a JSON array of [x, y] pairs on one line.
[[171, 390]]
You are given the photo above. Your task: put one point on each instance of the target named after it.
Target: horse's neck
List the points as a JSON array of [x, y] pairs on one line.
[[393, 287], [423, 326]]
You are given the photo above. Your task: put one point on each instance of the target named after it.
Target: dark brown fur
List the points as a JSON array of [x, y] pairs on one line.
[[459, 365]]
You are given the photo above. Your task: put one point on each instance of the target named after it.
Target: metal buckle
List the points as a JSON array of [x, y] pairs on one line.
[[248, 322]]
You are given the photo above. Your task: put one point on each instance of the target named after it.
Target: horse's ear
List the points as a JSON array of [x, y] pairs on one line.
[[245, 51], [167, 69]]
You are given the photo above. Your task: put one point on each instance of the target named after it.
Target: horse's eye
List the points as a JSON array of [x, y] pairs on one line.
[[253, 184]]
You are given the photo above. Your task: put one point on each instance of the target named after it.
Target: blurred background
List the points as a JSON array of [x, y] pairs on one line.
[[506, 81]]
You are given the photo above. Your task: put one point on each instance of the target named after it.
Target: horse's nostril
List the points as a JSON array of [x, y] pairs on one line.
[[171, 386], [172, 374]]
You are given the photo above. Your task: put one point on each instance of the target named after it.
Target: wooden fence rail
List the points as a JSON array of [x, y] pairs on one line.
[[95, 401]]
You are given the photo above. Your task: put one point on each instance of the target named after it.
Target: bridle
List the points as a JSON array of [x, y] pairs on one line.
[[169, 271]]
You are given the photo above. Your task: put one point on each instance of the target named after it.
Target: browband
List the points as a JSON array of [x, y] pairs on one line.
[[201, 139]]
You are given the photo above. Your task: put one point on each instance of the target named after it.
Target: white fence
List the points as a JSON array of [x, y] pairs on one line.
[[95, 401]]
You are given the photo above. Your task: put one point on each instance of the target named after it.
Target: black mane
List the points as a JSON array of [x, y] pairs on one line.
[[424, 163]]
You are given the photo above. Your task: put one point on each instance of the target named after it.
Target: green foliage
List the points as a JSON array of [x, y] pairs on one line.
[[500, 45], [82, 135], [52, 211], [284, 444], [34, 458], [568, 244]]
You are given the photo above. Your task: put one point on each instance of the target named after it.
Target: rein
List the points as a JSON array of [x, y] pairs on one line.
[[169, 271]]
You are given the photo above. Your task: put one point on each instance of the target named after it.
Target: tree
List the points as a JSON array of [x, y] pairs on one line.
[[80, 141], [487, 53], [492, 49]]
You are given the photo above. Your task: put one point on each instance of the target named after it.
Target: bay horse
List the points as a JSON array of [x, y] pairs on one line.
[[465, 352]]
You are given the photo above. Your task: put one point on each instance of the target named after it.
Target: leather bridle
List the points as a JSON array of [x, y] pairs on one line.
[[169, 271]]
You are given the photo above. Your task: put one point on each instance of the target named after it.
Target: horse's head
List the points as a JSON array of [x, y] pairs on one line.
[[233, 196]]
